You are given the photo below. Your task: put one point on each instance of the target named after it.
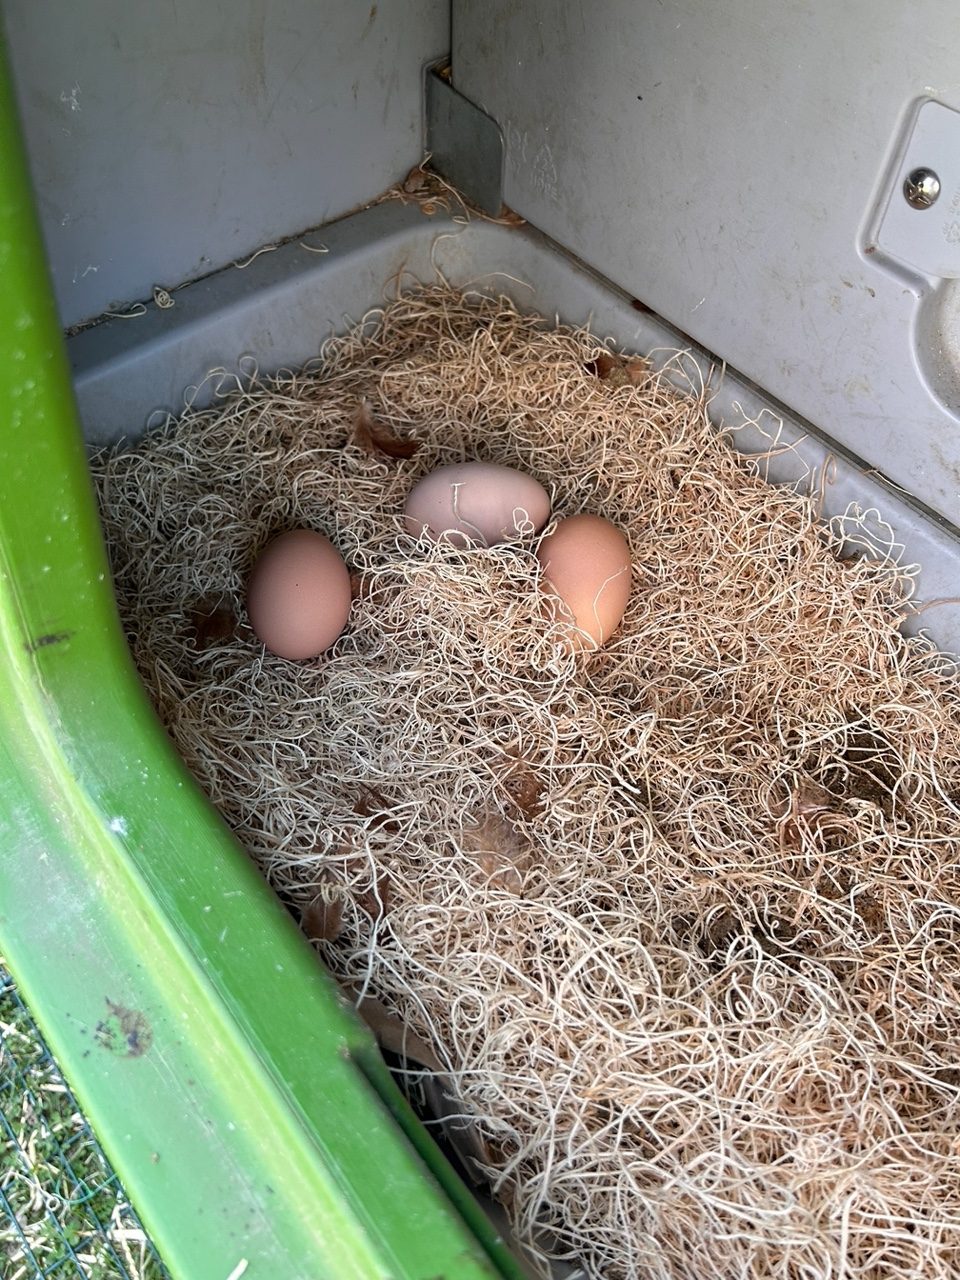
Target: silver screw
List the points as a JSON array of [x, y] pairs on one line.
[[921, 188]]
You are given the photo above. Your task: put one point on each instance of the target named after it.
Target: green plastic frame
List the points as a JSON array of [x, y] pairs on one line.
[[246, 1109]]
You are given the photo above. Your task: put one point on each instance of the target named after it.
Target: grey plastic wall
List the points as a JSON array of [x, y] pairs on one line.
[[172, 137], [739, 168], [279, 310]]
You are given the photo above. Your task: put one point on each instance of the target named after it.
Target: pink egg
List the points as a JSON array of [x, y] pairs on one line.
[[298, 595]]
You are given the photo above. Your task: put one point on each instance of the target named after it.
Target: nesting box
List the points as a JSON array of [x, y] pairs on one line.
[[195, 188]]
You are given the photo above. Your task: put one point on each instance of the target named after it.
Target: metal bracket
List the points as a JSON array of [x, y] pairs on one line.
[[465, 144]]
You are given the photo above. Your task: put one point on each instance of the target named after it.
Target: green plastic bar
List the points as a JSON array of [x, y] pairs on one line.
[[248, 1113]]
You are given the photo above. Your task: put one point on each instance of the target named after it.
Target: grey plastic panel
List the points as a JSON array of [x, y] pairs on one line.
[[272, 314], [465, 145], [733, 166], [170, 138], [281, 307]]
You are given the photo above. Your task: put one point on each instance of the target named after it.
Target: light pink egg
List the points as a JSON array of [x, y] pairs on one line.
[[479, 501]]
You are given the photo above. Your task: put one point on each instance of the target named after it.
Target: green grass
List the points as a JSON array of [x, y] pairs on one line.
[[63, 1212]]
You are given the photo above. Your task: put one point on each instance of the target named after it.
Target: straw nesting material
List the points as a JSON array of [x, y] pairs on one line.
[[679, 918]]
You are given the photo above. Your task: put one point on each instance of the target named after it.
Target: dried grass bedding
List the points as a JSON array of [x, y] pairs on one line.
[[679, 918]]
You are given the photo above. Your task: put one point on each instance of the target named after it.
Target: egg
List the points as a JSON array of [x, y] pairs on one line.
[[298, 595], [479, 501], [586, 576]]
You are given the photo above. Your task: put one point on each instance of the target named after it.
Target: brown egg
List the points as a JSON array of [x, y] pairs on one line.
[[486, 502], [586, 572], [298, 595]]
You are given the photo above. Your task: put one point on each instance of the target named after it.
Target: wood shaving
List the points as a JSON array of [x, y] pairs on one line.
[[692, 1047]]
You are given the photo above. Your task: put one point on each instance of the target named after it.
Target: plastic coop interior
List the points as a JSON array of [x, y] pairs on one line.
[[775, 189]]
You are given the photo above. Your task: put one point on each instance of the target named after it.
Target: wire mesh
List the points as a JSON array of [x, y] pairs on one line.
[[63, 1211]]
